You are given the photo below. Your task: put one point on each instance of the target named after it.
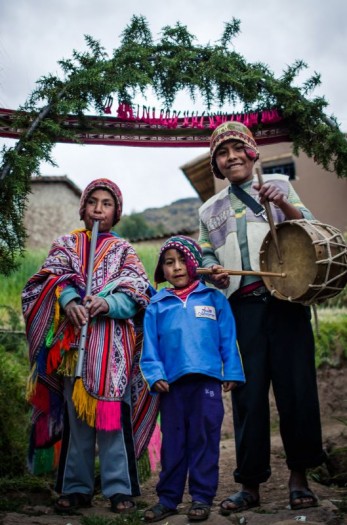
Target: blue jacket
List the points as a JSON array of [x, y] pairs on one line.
[[195, 336]]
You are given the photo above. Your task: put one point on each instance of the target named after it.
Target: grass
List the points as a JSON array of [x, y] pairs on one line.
[[11, 286], [18, 492], [149, 257], [332, 314]]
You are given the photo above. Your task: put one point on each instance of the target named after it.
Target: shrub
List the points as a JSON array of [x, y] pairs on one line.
[[331, 338], [14, 421]]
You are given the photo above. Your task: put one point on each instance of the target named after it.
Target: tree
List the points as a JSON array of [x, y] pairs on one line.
[[134, 227], [169, 65]]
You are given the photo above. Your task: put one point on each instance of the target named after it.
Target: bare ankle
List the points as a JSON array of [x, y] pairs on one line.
[[252, 489], [297, 479]]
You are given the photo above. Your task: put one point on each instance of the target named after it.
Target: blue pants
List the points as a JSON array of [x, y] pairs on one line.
[[191, 419], [118, 471], [277, 347]]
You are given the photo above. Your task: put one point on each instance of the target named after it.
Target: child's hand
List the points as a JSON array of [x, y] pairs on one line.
[[270, 192], [95, 305], [273, 193], [161, 386], [77, 314], [229, 385], [219, 280]]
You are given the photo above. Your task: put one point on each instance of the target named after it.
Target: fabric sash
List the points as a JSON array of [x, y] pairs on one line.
[[247, 199]]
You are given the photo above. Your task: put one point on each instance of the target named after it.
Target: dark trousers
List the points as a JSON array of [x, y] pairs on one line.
[[277, 346], [191, 418]]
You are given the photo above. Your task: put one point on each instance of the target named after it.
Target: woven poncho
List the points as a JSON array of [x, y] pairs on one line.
[[113, 346]]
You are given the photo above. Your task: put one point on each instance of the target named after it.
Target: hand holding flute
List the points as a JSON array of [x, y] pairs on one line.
[[80, 313]]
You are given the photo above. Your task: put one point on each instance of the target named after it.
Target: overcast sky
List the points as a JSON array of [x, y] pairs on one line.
[[35, 34]]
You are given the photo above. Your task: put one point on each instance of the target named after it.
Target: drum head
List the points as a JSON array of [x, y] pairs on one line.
[[298, 257]]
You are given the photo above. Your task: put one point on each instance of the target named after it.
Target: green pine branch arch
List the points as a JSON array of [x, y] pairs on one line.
[[168, 65]]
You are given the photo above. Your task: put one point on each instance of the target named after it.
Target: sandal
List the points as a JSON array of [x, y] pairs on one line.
[[199, 516], [128, 504], [242, 500], [158, 512], [301, 495], [70, 503]]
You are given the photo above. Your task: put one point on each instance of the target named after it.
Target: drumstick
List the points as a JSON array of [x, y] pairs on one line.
[[238, 272], [271, 221]]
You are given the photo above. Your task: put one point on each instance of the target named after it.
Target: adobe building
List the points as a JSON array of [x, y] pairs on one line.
[[52, 210], [321, 191]]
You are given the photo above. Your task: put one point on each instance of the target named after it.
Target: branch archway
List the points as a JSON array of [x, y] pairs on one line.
[[58, 110]]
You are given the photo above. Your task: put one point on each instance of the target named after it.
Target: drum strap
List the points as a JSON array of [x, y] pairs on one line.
[[247, 199]]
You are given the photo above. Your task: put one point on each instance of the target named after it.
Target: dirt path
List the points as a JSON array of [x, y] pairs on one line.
[[274, 494]]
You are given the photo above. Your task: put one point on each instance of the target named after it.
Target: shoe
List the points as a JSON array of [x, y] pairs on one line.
[[158, 512], [70, 503], [128, 504], [199, 506], [242, 500], [300, 495]]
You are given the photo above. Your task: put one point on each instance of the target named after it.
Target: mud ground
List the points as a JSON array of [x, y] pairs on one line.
[[274, 508]]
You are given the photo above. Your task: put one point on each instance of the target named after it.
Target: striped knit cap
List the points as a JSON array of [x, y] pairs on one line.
[[232, 130], [188, 247], [103, 184]]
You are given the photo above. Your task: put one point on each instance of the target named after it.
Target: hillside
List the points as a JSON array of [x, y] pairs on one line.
[[180, 216], [177, 216]]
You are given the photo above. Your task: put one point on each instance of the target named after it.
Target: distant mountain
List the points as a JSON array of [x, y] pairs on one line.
[[179, 216]]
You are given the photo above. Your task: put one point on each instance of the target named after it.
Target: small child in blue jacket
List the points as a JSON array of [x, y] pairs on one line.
[[189, 352]]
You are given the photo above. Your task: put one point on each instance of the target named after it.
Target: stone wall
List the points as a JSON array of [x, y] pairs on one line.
[[52, 210]]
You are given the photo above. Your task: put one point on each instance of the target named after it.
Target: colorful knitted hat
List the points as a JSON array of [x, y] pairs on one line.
[[188, 247], [232, 130], [103, 184]]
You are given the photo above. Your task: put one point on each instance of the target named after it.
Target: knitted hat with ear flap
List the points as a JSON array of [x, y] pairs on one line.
[[103, 184], [232, 130], [190, 250]]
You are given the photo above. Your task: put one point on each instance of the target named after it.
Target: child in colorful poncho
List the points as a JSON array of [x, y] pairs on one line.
[[108, 404]]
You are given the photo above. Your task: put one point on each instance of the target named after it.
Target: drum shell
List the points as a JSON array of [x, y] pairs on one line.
[[314, 259]]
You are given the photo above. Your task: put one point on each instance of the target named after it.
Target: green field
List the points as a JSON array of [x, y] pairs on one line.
[[11, 286]]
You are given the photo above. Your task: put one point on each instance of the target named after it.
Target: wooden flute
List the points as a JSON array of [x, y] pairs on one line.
[[84, 329]]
